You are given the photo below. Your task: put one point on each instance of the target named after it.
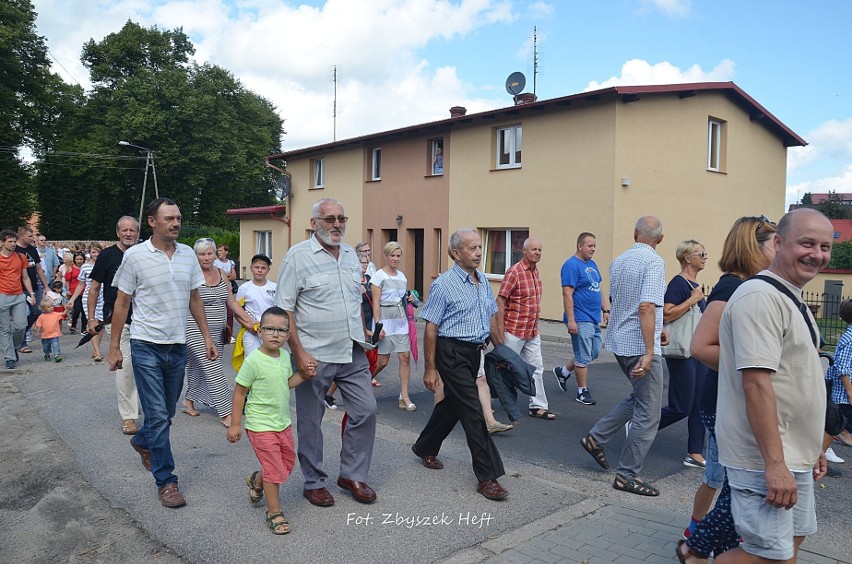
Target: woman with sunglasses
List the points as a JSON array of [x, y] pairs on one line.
[[748, 249], [686, 374]]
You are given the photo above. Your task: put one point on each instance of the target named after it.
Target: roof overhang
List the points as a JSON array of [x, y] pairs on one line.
[[261, 210]]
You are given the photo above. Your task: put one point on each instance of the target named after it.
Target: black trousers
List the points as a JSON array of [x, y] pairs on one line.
[[457, 365]]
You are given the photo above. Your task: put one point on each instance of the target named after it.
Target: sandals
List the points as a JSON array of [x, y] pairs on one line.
[[128, 427], [541, 413], [277, 523], [682, 558], [25, 350], [190, 409], [634, 485], [255, 493], [406, 405], [376, 383], [596, 450]]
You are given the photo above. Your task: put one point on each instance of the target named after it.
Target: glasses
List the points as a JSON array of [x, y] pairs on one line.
[[332, 218], [763, 220], [275, 331], [702, 254]]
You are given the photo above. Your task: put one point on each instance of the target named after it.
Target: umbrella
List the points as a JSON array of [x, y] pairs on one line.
[[89, 336]]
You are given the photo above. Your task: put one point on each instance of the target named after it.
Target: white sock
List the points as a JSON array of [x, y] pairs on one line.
[[580, 390], [565, 373]]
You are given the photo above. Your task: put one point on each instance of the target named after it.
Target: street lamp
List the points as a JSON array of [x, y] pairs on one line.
[[149, 161]]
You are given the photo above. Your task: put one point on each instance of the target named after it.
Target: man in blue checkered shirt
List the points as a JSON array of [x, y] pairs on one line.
[[635, 334]]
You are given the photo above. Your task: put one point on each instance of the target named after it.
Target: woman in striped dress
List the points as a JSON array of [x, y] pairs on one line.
[[84, 277], [205, 379]]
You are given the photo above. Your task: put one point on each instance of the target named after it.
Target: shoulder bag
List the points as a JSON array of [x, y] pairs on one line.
[[681, 330]]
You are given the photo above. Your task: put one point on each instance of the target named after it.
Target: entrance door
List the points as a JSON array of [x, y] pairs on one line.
[[416, 235]]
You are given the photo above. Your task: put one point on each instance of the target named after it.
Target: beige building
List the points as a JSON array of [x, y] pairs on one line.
[[697, 155]]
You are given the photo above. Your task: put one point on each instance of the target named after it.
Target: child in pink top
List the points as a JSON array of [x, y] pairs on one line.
[[49, 327]]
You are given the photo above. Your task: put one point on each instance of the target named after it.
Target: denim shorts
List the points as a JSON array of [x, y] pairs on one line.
[[586, 343], [714, 472], [768, 531]]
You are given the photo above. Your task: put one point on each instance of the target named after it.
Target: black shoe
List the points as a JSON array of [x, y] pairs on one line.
[[833, 472], [329, 402], [10, 364], [560, 379]]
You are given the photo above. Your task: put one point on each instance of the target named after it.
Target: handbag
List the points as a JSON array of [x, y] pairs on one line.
[[680, 333]]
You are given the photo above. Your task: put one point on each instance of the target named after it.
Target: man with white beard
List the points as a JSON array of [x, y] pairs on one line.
[[319, 286]]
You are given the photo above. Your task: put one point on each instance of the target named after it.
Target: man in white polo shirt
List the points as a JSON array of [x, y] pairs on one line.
[[161, 278]]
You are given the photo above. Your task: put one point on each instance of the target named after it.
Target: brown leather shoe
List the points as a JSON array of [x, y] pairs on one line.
[[320, 497], [359, 490], [128, 427], [429, 461], [170, 496], [144, 454], [492, 489]]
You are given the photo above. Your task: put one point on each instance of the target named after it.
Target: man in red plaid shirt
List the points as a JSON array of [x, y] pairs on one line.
[[518, 311]]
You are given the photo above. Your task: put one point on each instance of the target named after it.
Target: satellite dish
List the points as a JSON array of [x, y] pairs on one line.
[[515, 83], [282, 187]]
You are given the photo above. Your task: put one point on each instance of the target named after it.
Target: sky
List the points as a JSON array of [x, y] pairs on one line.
[[404, 62]]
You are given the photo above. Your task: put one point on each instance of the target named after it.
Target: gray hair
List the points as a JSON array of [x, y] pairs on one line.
[[124, 217], [456, 238], [316, 209], [360, 246], [203, 244], [649, 227]]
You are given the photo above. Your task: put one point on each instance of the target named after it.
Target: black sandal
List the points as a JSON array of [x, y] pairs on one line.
[[596, 450], [541, 413], [634, 485], [255, 493]]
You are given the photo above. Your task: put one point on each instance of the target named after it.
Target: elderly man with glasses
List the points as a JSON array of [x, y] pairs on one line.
[[319, 286]]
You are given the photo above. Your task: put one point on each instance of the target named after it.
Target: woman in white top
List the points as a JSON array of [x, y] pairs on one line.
[[229, 268], [388, 288]]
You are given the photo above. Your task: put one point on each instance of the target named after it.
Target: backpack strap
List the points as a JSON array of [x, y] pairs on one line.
[[802, 307]]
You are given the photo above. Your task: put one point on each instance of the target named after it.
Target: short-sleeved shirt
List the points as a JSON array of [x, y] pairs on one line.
[[393, 315], [227, 265], [50, 324], [11, 283], [324, 294], [763, 328], [842, 367], [268, 404], [49, 262], [104, 271], [461, 308], [521, 288], [160, 289], [679, 290], [637, 275], [258, 298], [585, 277], [31, 254]]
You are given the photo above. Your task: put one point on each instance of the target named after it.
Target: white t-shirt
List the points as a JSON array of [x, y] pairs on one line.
[[258, 298], [392, 305], [226, 266]]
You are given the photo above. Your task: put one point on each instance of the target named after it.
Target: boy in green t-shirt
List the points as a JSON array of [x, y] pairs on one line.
[[268, 375]]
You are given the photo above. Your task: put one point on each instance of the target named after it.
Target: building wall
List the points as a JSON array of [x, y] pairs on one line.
[[662, 148], [249, 225], [408, 189]]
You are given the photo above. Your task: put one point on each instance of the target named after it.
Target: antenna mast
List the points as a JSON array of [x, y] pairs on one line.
[[535, 57], [334, 110]]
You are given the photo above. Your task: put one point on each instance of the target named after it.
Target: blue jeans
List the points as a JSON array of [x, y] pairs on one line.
[[159, 371], [51, 344]]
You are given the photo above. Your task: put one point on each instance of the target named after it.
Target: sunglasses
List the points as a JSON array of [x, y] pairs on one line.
[[763, 220], [702, 254], [332, 218]]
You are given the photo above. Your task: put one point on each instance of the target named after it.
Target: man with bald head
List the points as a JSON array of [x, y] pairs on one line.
[[635, 334], [772, 400], [518, 311]]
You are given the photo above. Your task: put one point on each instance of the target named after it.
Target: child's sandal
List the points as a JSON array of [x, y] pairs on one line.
[[277, 523], [255, 493]]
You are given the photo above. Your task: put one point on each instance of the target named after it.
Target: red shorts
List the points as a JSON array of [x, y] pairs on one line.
[[276, 453]]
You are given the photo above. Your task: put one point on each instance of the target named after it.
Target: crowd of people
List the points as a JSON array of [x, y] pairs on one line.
[[751, 343]]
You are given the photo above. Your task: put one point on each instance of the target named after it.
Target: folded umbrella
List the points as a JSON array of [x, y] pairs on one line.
[[89, 336]]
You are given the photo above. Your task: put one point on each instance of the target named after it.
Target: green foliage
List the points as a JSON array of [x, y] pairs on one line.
[[834, 208], [190, 234], [209, 136], [807, 199], [841, 255]]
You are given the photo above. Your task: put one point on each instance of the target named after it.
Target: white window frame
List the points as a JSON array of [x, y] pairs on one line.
[[714, 144], [507, 251], [319, 172], [509, 144], [437, 143], [376, 163], [263, 243]]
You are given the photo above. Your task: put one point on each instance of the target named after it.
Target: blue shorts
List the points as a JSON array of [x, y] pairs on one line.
[[714, 472], [768, 531], [586, 343]]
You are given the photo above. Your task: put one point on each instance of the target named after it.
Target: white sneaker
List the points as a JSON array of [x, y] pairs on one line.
[[831, 457], [627, 429]]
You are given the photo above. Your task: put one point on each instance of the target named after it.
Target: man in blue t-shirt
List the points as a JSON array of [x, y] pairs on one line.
[[583, 302]]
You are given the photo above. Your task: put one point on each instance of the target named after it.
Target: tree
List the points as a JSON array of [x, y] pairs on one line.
[[26, 90], [833, 207], [807, 199], [208, 133]]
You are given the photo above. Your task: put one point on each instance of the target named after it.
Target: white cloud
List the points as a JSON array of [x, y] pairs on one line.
[[831, 140], [638, 72], [672, 8], [841, 182], [540, 10]]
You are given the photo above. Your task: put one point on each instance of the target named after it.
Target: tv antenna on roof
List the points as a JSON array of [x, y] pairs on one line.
[[515, 83]]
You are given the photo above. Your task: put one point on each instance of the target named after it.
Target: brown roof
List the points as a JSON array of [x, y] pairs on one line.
[[627, 93], [257, 211]]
